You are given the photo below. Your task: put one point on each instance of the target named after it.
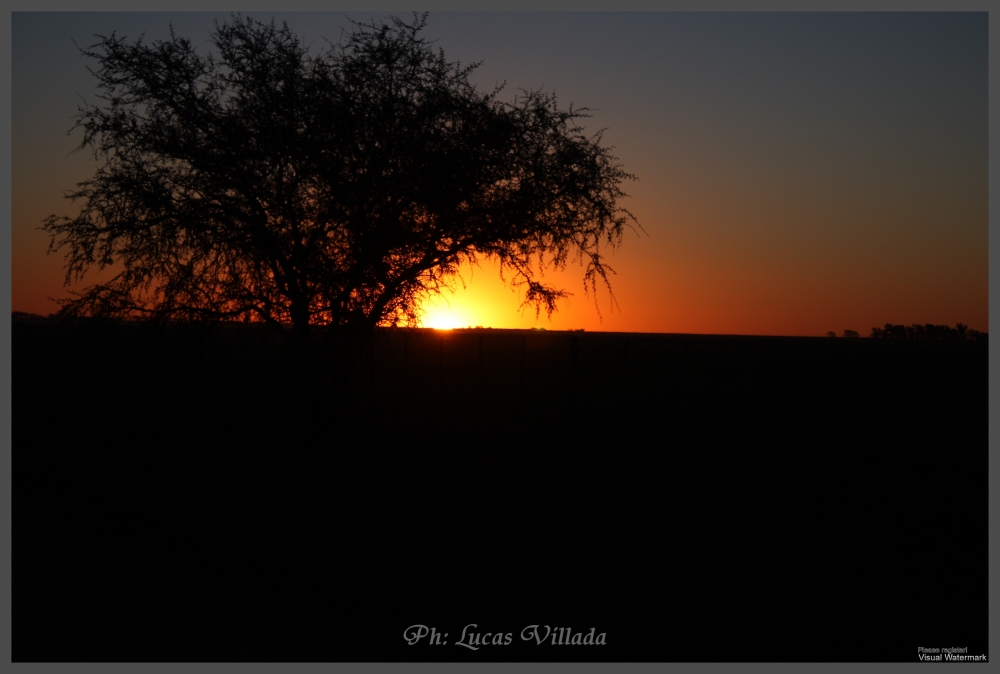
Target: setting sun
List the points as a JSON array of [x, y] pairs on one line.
[[442, 317]]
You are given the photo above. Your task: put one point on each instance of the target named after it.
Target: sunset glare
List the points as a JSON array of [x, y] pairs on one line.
[[442, 316]]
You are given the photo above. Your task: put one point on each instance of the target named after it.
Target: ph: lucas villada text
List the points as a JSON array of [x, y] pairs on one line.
[[473, 639]]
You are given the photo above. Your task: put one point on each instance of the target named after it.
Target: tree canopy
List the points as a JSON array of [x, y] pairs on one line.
[[339, 187]]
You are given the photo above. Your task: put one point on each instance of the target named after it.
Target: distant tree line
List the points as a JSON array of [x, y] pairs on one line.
[[927, 331]]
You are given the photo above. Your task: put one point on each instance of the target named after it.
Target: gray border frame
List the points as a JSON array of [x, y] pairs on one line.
[[6, 420]]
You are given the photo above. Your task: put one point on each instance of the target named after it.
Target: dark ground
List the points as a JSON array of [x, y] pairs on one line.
[[183, 495]]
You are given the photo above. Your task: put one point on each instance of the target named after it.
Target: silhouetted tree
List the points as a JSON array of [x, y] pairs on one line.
[[850, 333], [338, 188]]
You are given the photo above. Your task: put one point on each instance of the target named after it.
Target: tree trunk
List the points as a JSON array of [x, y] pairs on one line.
[[300, 318]]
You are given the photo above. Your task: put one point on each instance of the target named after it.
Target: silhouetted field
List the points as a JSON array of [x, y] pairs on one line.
[[202, 494]]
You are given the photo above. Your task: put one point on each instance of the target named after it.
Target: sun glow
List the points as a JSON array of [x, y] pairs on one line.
[[442, 317]]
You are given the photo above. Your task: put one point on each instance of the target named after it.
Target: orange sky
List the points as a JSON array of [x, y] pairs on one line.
[[797, 173]]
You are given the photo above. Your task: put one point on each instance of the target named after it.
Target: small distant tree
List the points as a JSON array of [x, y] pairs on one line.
[[338, 188], [831, 333], [850, 333]]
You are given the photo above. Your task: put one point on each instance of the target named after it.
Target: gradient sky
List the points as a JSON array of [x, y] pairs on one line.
[[798, 172]]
